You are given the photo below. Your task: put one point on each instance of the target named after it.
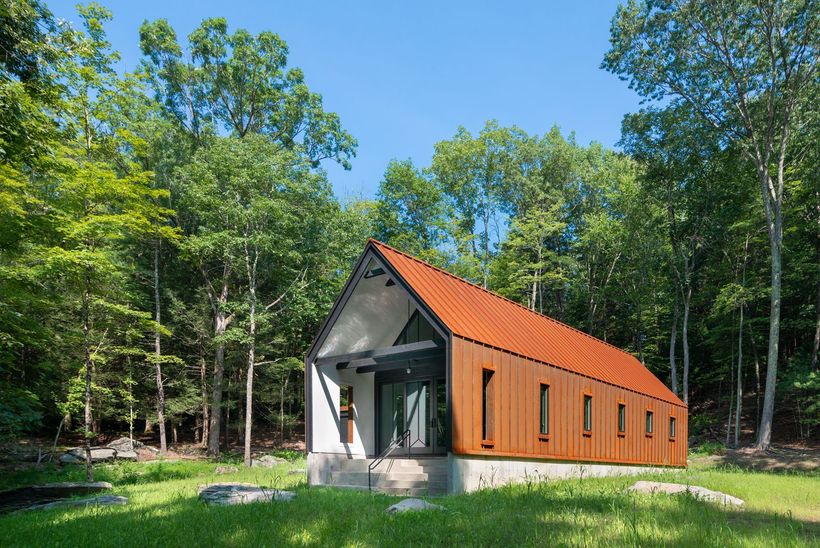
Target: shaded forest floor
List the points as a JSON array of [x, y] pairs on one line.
[[786, 458], [782, 509]]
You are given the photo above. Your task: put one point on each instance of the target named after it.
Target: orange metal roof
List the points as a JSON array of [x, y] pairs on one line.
[[474, 313]]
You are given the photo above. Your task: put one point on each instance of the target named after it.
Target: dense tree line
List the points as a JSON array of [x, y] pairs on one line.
[[169, 241]]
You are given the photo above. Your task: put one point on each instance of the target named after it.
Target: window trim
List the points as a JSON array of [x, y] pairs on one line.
[[649, 421], [349, 436], [542, 435], [488, 412], [586, 396], [621, 433], [673, 428]]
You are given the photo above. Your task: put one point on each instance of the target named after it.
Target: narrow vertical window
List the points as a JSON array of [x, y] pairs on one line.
[[345, 414], [545, 404], [621, 418], [487, 407], [649, 416], [587, 413], [671, 427]]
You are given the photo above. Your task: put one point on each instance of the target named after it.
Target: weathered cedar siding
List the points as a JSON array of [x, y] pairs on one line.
[[517, 413]]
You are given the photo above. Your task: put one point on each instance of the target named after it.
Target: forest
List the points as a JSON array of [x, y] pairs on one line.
[[170, 241]]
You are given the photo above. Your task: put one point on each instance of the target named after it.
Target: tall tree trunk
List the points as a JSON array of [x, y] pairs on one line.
[[673, 337], [685, 342], [251, 270], [163, 446], [816, 347], [764, 433], [731, 398], [204, 391], [486, 261], [282, 391], [130, 402], [739, 404], [216, 394], [89, 468]]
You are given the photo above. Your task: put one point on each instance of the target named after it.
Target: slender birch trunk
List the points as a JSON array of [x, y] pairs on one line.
[[220, 326], [89, 468], [685, 341], [251, 271], [673, 336], [204, 391], [739, 404], [816, 347], [163, 445]]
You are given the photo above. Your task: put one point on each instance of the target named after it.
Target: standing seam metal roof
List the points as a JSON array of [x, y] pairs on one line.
[[475, 313]]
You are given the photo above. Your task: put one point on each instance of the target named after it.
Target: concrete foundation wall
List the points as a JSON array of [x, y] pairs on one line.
[[472, 473]]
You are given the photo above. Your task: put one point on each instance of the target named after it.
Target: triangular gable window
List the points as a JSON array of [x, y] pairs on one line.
[[417, 329]]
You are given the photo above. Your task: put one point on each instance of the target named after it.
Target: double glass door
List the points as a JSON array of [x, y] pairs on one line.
[[417, 405]]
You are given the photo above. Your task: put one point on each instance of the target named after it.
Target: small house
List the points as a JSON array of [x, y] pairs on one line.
[[422, 382]]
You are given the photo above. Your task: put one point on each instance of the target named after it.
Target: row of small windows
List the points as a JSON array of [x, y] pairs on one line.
[[544, 415], [488, 397]]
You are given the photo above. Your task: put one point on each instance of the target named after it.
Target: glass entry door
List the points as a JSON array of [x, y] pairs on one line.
[[412, 405]]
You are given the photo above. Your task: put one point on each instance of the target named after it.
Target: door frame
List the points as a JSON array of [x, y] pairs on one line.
[[434, 379]]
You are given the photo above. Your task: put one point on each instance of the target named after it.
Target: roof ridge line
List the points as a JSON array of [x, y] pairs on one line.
[[494, 294]]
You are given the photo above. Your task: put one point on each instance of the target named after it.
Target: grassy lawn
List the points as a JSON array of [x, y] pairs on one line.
[[782, 510]]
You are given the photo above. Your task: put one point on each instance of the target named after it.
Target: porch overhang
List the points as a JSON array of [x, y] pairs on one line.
[[387, 358]]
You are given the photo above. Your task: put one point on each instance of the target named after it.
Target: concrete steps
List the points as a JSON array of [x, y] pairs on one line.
[[396, 476]]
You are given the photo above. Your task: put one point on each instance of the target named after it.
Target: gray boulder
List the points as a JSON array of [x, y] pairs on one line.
[[101, 500], [126, 455], [98, 454], [267, 461], [241, 493], [700, 493], [124, 444], [413, 505], [226, 470]]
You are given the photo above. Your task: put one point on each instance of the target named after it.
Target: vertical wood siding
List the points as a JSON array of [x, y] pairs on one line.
[[517, 408]]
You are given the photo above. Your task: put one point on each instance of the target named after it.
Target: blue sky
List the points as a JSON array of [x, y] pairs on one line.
[[405, 75]]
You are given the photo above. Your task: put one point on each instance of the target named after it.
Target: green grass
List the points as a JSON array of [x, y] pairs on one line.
[[782, 510]]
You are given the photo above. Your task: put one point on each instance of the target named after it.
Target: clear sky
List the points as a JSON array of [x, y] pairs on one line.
[[405, 75]]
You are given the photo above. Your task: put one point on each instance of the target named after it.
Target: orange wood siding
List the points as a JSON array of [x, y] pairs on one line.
[[517, 408]]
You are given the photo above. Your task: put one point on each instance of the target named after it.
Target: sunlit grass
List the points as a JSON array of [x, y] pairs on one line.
[[163, 509]]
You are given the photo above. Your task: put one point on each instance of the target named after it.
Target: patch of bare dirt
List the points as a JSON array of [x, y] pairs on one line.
[[781, 458]]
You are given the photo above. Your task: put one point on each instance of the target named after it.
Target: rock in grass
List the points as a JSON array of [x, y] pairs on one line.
[[412, 505], [124, 444], [267, 461], [700, 493], [76, 455], [37, 495], [241, 493], [101, 500], [226, 470]]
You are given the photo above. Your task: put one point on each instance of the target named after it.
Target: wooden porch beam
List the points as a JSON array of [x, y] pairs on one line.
[[402, 351]]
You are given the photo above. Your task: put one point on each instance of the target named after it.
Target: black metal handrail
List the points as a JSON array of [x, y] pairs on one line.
[[396, 443]]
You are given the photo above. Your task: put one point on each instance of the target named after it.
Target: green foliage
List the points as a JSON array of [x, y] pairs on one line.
[[709, 448], [20, 410], [208, 158], [240, 82], [410, 212]]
